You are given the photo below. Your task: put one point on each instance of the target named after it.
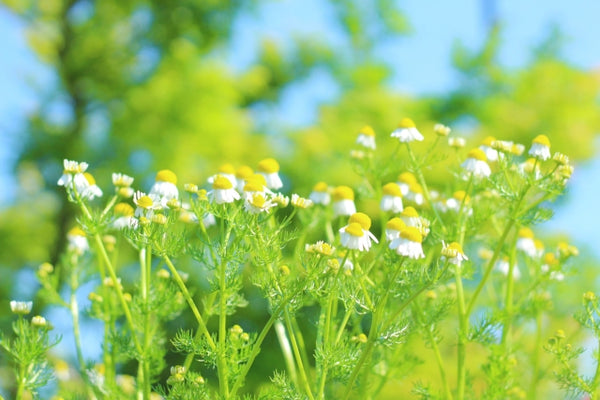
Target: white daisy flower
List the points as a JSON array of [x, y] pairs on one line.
[[280, 199], [441, 130], [269, 168], [77, 240], [70, 170], [415, 194], [241, 175], [301, 202], [121, 180], [257, 204], [488, 148], [526, 242], [146, 204], [453, 203], [356, 235], [392, 198], [165, 186], [320, 194], [226, 171], [454, 253], [407, 131], [20, 307], [540, 148], [408, 244], [366, 137], [90, 190], [457, 142], [320, 247], [530, 167], [125, 219], [410, 217], [255, 184], [503, 266], [393, 228], [343, 201], [223, 191], [405, 179], [476, 164]]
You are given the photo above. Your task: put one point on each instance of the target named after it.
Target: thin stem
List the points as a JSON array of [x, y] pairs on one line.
[[286, 350], [190, 301], [223, 379], [326, 335], [347, 316], [145, 269], [296, 350], [124, 306], [508, 298], [463, 321], [532, 394]]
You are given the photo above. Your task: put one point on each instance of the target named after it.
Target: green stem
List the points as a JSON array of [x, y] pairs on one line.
[[107, 356], [340, 332], [190, 301], [440, 363], [124, 306], [532, 394], [286, 350], [508, 298], [21, 379], [299, 362], [463, 323], [222, 361], [145, 269], [326, 344]]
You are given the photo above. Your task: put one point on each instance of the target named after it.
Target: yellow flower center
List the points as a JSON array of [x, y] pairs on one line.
[[415, 187], [166, 175], [144, 202], [258, 200], [538, 244], [244, 172], [455, 247], [407, 177], [268, 165], [411, 233], [76, 231], [221, 182], [460, 196], [362, 219], [89, 178], [342, 193], [321, 187], [227, 169], [550, 259], [257, 179], [407, 123], [477, 154], [526, 233], [253, 187], [368, 131], [354, 229], [396, 224], [488, 141], [124, 209], [542, 139], [392, 189], [410, 212]]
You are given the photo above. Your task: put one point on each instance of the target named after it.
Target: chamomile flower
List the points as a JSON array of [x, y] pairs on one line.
[[280, 199], [526, 242], [90, 190], [488, 149], [415, 194], [20, 307], [503, 266], [241, 174], [124, 216], [454, 253], [366, 137], [72, 170], [165, 186], [301, 202], [392, 198], [255, 184], [530, 167], [551, 265], [226, 171], [405, 179], [503, 146], [540, 148], [408, 244], [393, 228], [223, 191], [257, 204], [121, 180], [441, 130], [356, 235], [343, 201], [476, 164], [453, 203], [320, 247], [407, 131], [269, 168], [77, 240], [410, 217], [457, 142], [146, 204], [320, 194]]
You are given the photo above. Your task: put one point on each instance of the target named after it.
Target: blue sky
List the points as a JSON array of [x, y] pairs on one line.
[[436, 27]]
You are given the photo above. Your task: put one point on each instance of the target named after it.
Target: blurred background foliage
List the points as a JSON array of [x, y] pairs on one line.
[[145, 84]]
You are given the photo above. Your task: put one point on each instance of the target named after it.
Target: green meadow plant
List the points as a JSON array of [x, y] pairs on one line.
[[344, 280]]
